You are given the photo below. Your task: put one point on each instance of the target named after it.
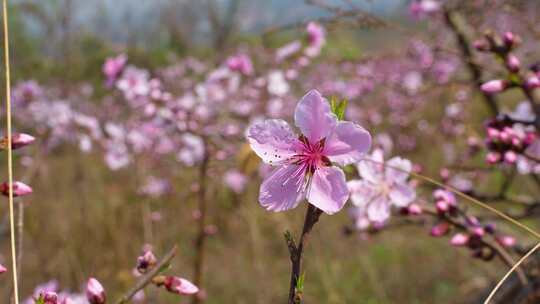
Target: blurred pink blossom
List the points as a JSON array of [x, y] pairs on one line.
[[381, 187]]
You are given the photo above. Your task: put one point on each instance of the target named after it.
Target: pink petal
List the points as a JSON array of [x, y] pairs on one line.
[[314, 117], [459, 239], [358, 215], [401, 173], [186, 287], [362, 192], [328, 190], [402, 194], [283, 188], [272, 140], [372, 168], [347, 144], [379, 209]]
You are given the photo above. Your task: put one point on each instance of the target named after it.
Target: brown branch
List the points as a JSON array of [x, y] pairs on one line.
[[295, 251], [474, 69], [147, 278]]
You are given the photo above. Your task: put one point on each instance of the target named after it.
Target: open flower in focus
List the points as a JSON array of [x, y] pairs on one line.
[[305, 162], [381, 187]]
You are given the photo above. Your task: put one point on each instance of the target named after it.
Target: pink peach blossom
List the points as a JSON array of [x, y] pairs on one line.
[[304, 163]]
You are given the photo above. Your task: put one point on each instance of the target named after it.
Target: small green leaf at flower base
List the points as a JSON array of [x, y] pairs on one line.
[[288, 236], [40, 300], [338, 107], [300, 283]]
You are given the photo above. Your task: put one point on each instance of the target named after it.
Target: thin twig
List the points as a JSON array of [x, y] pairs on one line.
[[147, 278], [295, 251], [474, 69]]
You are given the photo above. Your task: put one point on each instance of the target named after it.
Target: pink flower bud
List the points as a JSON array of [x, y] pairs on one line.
[[459, 239], [2, 268], [95, 293], [19, 189], [481, 45], [18, 140], [506, 241], [439, 229], [510, 39], [444, 195], [512, 63], [494, 86], [444, 173], [532, 82], [210, 229], [529, 138], [478, 231], [414, 209], [517, 142], [442, 206], [510, 157], [180, 286], [493, 157], [146, 261], [505, 136], [493, 134], [473, 220]]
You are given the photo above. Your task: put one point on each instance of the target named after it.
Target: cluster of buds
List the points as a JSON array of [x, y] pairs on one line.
[[18, 141], [445, 205], [445, 202], [413, 209], [499, 44], [502, 47], [95, 294], [473, 239], [472, 231], [506, 140], [147, 261]]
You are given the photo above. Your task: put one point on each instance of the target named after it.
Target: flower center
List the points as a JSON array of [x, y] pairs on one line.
[[384, 188], [311, 155]]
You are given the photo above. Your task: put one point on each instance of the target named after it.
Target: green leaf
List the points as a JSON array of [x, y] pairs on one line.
[[288, 236], [338, 107], [300, 283]]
